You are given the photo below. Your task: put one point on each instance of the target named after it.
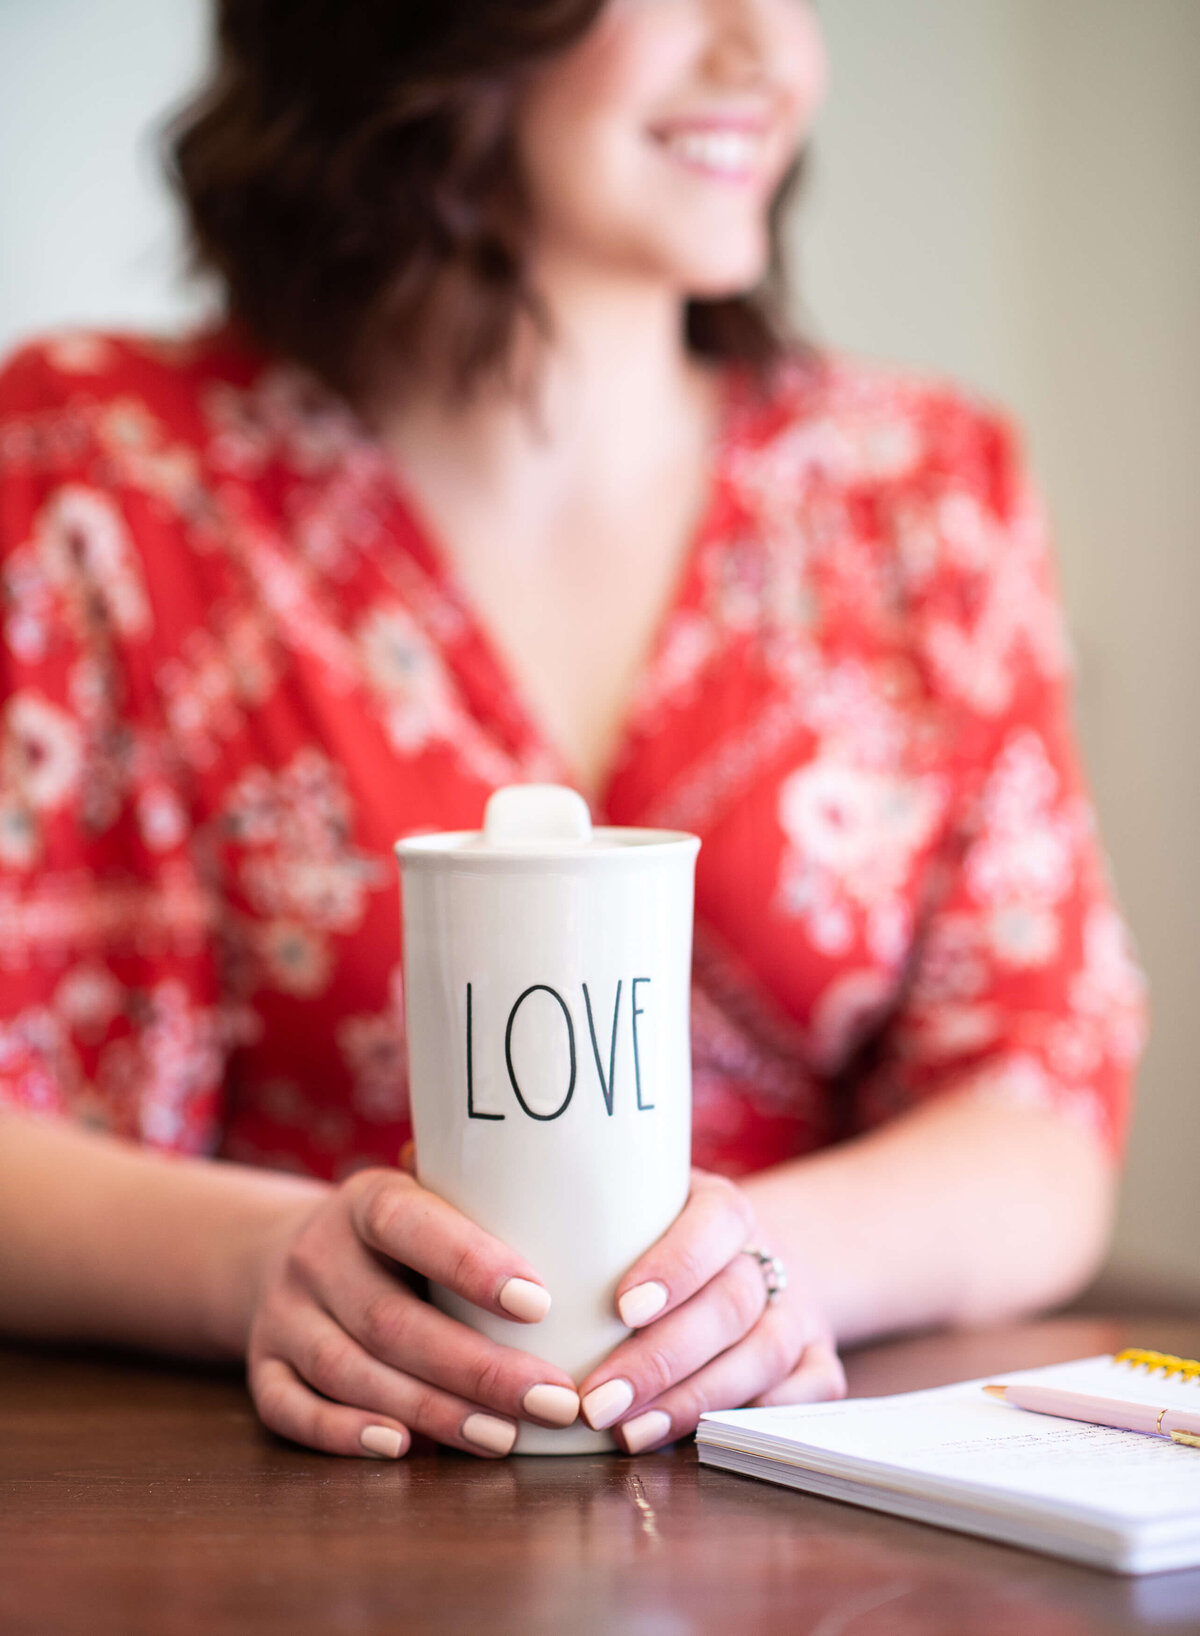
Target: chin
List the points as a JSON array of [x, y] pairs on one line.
[[723, 282], [723, 288], [720, 268]]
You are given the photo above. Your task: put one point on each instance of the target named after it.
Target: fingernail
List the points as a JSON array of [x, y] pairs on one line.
[[484, 1430], [382, 1442], [639, 1304], [607, 1403], [525, 1299], [558, 1404], [645, 1429]]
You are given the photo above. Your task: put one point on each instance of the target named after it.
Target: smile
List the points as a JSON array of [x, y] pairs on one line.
[[728, 153]]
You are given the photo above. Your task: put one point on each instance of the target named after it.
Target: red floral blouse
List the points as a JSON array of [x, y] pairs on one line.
[[234, 668]]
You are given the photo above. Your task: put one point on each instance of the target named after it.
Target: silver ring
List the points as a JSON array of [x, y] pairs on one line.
[[773, 1271]]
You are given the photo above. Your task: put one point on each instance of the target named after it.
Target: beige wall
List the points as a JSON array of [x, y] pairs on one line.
[[1115, 403], [1005, 190]]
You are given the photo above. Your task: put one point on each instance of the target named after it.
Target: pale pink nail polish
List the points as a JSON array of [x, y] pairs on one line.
[[645, 1429], [487, 1432], [382, 1441], [525, 1299], [639, 1304], [607, 1403], [557, 1404]]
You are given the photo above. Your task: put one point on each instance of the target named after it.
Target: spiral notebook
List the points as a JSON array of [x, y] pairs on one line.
[[957, 1458]]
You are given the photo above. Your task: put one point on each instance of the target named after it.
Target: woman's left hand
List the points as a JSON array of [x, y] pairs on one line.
[[706, 1336]]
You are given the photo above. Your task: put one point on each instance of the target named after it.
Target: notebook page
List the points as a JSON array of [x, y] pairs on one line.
[[958, 1436], [1107, 1378]]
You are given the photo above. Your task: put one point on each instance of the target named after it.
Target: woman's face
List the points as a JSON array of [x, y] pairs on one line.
[[653, 147]]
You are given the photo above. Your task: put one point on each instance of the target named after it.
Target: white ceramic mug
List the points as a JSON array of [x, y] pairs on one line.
[[547, 976]]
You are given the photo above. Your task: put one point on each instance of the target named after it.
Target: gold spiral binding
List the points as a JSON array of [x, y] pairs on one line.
[[1165, 1363]]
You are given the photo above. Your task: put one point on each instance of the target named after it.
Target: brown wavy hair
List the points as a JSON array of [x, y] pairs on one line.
[[347, 159]]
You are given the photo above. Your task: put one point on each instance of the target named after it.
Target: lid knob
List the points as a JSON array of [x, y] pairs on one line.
[[535, 814]]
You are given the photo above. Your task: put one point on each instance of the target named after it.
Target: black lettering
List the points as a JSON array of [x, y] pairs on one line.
[[606, 1087], [512, 1017], [643, 1107], [471, 1113]]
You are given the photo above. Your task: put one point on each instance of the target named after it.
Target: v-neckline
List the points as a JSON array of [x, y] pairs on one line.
[[500, 685]]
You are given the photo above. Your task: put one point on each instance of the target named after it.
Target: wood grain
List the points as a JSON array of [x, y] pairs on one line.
[[137, 1499]]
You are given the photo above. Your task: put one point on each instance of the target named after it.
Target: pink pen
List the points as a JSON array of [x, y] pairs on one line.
[[1177, 1424]]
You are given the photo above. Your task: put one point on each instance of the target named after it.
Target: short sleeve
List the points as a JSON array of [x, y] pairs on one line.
[[1021, 986], [110, 1007]]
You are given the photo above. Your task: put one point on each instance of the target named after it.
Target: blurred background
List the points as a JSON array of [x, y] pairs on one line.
[[1006, 191]]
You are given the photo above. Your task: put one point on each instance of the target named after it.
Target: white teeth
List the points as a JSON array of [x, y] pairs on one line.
[[729, 152]]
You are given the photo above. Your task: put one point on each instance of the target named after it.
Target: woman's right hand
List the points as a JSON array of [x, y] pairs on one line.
[[344, 1356]]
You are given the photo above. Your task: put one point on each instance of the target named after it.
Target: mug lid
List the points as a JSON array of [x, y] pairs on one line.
[[538, 821]]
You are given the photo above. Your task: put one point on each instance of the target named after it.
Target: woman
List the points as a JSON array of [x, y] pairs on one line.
[[498, 471]]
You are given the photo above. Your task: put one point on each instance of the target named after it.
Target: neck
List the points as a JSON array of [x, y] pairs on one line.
[[615, 348], [612, 392]]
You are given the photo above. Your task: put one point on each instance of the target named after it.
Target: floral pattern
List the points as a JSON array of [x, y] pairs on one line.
[[234, 669]]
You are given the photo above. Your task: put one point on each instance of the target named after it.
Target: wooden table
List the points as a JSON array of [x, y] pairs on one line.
[[142, 1500]]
